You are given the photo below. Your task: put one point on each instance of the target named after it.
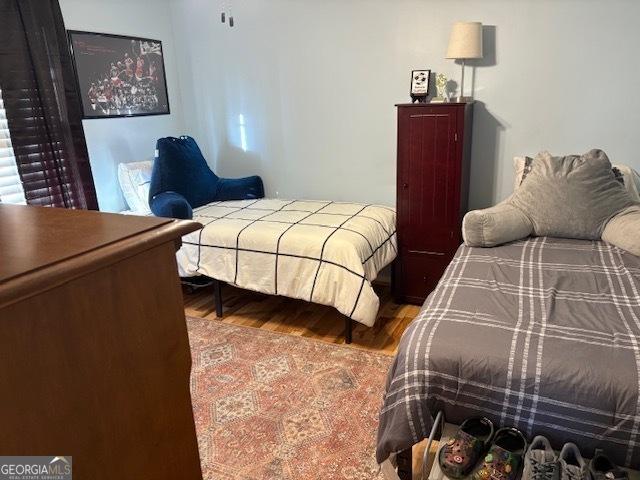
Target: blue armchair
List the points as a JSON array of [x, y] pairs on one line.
[[181, 180]]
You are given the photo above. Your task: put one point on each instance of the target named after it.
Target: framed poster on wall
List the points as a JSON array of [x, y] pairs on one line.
[[119, 76]]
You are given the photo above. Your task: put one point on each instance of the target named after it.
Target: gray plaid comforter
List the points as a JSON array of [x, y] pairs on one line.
[[542, 334]]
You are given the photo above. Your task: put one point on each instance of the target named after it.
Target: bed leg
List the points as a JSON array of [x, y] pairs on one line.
[[217, 288], [404, 460], [348, 330]]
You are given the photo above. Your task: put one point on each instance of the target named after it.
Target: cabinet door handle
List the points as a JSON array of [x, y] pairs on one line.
[[405, 185], [426, 252], [425, 279]]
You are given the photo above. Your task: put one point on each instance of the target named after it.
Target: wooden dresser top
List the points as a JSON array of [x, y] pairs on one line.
[[435, 104], [38, 240]]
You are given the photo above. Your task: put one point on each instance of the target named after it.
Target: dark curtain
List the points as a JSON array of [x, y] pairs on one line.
[[43, 108]]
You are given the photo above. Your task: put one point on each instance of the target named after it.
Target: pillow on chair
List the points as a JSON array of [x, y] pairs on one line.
[[180, 167], [182, 180], [572, 197]]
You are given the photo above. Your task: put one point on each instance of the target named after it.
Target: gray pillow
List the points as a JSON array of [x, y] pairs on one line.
[[623, 230], [624, 174], [573, 197], [631, 180]]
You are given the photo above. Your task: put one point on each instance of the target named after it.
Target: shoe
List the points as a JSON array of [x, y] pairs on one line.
[[459, 455], [504, 458], [572, 465], [540, 462], [602, 468]]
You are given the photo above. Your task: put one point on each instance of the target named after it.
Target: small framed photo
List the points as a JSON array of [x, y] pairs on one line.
[[419, 85]]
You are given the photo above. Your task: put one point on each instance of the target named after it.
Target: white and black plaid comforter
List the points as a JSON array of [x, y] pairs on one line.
[[320, 251], [542, 334]]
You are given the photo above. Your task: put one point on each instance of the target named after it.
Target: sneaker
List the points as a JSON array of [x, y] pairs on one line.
[[461, 453], [572, 465], [540, 462], [602, 468], [504, 458]]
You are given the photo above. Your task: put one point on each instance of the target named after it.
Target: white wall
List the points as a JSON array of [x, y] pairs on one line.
[[316, 80], [115, 140]]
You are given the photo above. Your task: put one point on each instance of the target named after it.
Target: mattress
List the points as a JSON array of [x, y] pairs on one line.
[[541, 334], [320, 251]]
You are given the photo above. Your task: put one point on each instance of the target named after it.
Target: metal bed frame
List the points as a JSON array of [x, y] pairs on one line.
[[217, 289]]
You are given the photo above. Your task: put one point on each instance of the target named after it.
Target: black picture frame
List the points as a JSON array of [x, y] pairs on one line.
[[422, 96], [142, 91]]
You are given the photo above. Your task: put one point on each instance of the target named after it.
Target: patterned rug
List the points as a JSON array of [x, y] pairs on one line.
[[275, 406]]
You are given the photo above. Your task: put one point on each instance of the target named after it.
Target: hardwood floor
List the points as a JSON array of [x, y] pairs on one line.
[[296, 317]]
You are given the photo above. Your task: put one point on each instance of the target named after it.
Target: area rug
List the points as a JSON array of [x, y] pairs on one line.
[[274, 406]]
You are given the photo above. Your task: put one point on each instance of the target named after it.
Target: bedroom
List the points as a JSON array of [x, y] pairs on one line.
[[317, 332]]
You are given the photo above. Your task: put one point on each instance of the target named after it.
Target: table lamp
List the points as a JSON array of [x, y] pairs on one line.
[[465, 42]]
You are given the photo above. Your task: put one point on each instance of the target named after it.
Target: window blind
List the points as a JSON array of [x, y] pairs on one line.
[[42, 106], [11, 190]]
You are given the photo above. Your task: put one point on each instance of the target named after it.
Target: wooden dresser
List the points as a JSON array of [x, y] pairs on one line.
[[95, 354], [434, 144]]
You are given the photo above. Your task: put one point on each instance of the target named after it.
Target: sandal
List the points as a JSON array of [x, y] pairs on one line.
[[461, 453], [504, 458]]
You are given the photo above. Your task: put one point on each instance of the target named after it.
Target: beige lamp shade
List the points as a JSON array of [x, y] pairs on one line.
[[465, 40]]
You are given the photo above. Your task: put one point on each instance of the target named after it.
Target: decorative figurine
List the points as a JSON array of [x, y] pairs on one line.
[[441, 89]]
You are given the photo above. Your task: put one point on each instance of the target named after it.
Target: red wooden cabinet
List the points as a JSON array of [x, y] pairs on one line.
[[434, 142]]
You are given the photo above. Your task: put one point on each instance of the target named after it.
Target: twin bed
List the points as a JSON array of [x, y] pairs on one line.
[[541, 334], [320, 251]]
